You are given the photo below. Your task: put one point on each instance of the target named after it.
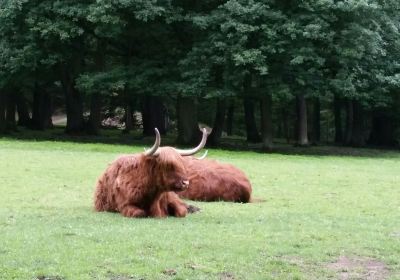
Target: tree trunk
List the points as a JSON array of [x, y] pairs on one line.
[[357, 138], [279, 130], [129, 121], [316, 121], [251, 128], [37, 105], [286, 127], [24, 118], [337, 105], [154, 114], [382, 130], [302, 137], [74, 103], [266, 122], [2, 111], [41, 109], [229, 118], [94, 122], [48, 110], [11, 110], [188, 128], [215, 136], [349, 122]]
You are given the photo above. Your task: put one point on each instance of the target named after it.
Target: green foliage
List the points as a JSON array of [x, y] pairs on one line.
[[318, 47], [210, 49], [349, 48]]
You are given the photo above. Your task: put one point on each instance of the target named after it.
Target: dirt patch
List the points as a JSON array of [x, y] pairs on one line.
[[226, 276], [121, 277], [395, 234], [194, 266], [359, 268], [69, 234], [169, 272], [43, 277]]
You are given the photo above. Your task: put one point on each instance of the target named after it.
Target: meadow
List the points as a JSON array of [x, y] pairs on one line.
[[319, 217]]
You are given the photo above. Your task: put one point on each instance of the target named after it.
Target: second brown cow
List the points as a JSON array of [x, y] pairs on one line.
[[213, 181]]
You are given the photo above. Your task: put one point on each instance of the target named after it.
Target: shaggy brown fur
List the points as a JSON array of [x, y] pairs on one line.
[[213, 181], [168, 204], [140, 186]]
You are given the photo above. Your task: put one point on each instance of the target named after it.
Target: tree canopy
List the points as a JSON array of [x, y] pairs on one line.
[[92, 54]]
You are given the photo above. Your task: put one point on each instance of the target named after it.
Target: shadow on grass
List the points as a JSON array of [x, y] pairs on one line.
[[322, 149], [115, 136]]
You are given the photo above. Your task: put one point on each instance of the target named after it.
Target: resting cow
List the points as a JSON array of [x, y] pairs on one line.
[[212, 181], [142, 185]]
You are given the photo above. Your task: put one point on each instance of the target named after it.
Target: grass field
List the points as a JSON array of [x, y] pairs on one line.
[[323, 217]]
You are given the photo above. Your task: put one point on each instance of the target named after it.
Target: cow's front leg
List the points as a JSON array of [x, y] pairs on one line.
[[176, 206], [132, 212], [156, 210], [179, 210]]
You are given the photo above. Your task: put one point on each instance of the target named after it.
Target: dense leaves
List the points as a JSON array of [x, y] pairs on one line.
[[127, 49]]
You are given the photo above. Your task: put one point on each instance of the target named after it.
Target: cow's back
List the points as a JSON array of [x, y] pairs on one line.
[[108, 186], [213, 181]]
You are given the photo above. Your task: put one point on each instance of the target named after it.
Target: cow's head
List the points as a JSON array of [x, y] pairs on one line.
[[168, 168]]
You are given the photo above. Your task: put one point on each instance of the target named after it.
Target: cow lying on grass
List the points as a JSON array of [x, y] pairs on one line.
[[212, 181], [143, 185]]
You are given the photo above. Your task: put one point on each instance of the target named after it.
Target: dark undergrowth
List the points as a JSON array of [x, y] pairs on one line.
[[235, 143]]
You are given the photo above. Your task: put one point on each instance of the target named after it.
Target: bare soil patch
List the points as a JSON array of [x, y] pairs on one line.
[[226, 276], [359, 268], [194, 266], [395, 234], [44, 277], [169, 271]]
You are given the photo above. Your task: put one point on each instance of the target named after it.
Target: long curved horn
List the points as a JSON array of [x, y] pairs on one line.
[[203, 156], [198, 148], [153, 149]]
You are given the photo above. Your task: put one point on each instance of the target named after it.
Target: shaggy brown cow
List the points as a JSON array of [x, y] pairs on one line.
[[142, 185], [212, 181]]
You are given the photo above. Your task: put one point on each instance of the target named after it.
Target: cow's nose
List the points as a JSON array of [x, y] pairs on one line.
[[185, 183]]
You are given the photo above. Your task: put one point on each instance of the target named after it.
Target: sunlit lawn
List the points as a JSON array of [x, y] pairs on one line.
[[317, 209]]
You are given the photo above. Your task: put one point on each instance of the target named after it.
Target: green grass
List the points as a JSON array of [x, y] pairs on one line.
[[316, 209]]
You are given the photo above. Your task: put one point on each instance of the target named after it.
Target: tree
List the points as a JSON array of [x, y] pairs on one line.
[[266, 55], [363, 71]]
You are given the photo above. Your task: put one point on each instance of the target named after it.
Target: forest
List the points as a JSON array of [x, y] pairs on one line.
[[302, 72]]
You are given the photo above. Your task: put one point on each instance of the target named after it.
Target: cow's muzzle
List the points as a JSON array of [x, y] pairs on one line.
[[185, 184], [181, 186]]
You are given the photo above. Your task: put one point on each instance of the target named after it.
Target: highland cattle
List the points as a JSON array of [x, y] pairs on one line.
[[211, 180], [143, 185]]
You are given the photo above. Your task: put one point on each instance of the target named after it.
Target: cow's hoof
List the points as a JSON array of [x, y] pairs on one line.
[[193, 209]]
